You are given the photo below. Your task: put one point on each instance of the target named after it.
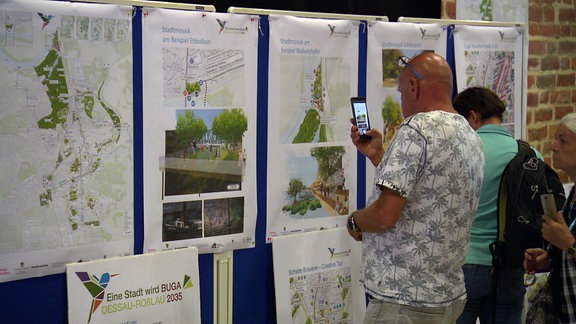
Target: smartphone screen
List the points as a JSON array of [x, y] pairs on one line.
[[360, 113]]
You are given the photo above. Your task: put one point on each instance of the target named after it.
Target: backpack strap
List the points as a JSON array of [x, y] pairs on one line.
[[523, 148], [501, 208]]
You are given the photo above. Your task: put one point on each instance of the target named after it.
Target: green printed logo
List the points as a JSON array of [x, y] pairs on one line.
[[332, 28], [187, 282], [341, 34], [338, 254], [234, 30], [222, 24]]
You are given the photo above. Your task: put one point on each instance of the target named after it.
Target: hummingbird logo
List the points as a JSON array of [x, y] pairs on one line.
[[96, 287], [45, 18], [222, 23]]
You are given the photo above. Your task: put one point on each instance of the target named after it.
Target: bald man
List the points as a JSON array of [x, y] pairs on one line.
[[415, 228]]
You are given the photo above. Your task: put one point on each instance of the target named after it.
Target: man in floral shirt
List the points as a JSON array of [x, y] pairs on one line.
[[415, 229]]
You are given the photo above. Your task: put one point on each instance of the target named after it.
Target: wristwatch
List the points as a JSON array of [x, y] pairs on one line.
[[351, 224], [572, 250]]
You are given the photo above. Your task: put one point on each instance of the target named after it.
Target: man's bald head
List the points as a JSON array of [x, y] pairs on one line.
[[433, 91]]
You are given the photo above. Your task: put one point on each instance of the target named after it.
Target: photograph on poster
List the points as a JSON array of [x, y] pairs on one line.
[[204, 152], [223, 216], [390, 108], [181, 220]]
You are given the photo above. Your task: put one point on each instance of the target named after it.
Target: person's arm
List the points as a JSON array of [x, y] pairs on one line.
[[372, 148], [381, 215], [557, 232]]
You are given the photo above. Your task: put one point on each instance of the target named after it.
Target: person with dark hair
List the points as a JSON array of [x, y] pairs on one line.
[[484, 110], [415, 228]]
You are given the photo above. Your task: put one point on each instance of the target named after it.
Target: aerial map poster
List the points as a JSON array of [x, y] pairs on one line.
[[386, 43], [492, 57], [199, 121], [493, 10], [320, 281], [313, 72], [66, 135]]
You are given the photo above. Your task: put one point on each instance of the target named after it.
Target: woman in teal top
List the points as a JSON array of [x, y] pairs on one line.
[[484, 111]]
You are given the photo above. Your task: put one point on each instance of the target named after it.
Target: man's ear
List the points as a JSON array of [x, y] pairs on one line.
[[414, 88]]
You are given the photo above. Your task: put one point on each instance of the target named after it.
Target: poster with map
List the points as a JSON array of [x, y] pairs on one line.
[[66, 135], [313, 72], [493, 10], [320, 282], [199, 121], [492, 57], [386, 43]]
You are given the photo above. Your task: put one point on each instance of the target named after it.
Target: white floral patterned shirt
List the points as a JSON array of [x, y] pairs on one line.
[[436, 162]]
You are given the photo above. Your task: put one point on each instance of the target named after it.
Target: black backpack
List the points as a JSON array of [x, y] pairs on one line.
[[525, 178]]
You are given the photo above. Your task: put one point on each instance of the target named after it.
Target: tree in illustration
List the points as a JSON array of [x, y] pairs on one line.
[[189, 129], [390, 67], [230, 126], [192, 88], [392, 116], [329, 160], [295, 186]]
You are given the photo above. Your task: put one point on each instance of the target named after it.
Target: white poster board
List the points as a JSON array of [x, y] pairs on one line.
[[66, 167], [386, 42], [313, 72], [317, 278], [199, 121], [148, 288], [492, 57], [493, 10]]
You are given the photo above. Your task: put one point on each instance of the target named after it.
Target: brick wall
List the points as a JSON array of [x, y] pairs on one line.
[[551, 67]]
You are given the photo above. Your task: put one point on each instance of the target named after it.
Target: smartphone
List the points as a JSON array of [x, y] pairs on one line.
[[360, 113], [549, 205]]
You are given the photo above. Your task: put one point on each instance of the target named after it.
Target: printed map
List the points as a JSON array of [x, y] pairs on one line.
[[315, 93], [494, 69], [322, 297], [203, 78], [66, 166]]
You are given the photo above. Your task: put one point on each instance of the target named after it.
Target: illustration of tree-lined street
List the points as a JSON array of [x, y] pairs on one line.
[[326, 191]]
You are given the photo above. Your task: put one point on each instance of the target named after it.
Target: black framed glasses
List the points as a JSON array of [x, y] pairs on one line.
[[403, 62]]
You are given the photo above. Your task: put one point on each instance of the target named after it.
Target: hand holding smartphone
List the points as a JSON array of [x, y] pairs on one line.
[[549, 205], [360, 113]]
